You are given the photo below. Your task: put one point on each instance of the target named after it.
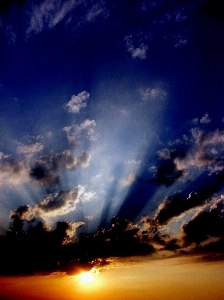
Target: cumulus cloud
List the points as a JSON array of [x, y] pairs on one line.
[[84, 130], [77, 102]]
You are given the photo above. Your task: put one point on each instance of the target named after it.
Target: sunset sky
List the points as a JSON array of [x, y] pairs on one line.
[[111, 149]]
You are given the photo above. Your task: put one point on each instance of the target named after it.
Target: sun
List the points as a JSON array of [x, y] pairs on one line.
[[86, 277]]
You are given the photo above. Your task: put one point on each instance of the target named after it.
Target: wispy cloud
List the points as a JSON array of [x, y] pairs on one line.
[[30, 150], [48, 14], [152, 93]]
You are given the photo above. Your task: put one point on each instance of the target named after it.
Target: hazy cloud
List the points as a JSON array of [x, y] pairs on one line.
[[131, 178], [139, 52], [30, 150], [205, 119], [48, 14], [151, 94], [12, 171]]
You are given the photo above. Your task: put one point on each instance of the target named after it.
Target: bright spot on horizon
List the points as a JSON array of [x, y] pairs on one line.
[[86, 277]]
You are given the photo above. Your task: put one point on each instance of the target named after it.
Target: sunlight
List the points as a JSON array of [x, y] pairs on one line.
[[86, 277]]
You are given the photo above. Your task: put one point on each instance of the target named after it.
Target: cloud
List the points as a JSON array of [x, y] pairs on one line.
[[48, 14], [168, 172], [55, 251], [131, 178], [77, 102], [205, 119], [95, 11], [30, 150], [83, 160], [139, 52], [60, 203], [180, 41], [45, 171], [205, 224], [206, 151], [54, 204], [151, 94], [136, 52], [175, 205], [12, 171], [76, 132]]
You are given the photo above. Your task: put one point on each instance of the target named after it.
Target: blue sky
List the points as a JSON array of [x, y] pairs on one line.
[[113, 109]]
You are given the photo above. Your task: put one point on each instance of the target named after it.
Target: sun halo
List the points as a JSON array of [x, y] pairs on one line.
[[86, 277]]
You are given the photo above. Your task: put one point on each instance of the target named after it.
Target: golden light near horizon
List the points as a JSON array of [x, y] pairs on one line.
[[86, 277]]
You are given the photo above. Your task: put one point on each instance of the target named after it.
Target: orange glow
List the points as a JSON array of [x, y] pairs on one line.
[[137, 279], [86, 277]]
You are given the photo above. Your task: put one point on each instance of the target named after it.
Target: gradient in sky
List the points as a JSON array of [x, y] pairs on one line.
[[112, 135]]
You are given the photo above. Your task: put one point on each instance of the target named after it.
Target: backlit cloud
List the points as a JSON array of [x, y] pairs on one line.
[[76, 132], [77, 102]]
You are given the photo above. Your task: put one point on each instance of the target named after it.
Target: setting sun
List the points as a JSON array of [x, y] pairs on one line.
[[86, 277]]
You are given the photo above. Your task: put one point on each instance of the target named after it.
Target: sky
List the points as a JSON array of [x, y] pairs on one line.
[[111, 147]]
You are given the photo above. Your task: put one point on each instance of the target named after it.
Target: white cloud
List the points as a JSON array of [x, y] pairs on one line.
[[76, 132], [77, 102]]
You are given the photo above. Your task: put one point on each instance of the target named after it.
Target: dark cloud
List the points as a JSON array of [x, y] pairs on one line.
[[174, 205], [204, 225], [167, 172], [43, 175], [40, 250], [45, 172], [54, 204]]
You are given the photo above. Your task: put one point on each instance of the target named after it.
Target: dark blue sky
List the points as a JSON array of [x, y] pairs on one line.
[[111, 108]]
